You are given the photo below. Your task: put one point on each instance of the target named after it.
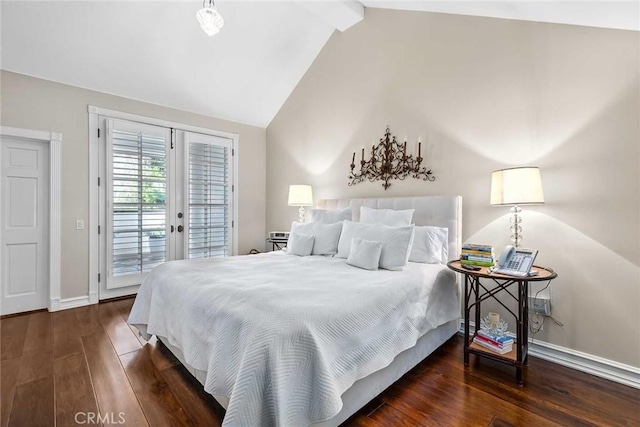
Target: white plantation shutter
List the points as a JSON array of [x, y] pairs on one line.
[[208, 196], [136, 201]]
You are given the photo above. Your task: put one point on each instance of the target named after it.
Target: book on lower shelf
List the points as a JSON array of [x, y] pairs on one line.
[[500, 350], [494, 343], [497, 340]]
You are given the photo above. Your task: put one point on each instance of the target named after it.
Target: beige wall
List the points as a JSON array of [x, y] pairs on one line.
[[485, 94], [32, 103]]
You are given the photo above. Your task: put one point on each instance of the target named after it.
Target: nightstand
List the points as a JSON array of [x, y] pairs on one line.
[[518, 289], [277, 244]]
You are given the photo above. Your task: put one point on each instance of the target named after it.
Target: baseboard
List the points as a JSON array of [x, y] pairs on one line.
[[584, 362], [594, 365], [21, 313], [67, 303]]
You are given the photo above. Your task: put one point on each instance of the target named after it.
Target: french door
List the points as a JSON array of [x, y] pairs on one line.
[[167, 195], [206, 196]]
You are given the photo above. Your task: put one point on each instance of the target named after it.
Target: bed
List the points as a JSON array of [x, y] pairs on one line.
[[285, 340]]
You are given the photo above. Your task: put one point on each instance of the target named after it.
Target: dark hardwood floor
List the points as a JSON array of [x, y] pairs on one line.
[[63, 368]]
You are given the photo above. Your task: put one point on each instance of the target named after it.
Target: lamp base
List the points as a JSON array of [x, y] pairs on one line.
[[301, 214], [516, 228]]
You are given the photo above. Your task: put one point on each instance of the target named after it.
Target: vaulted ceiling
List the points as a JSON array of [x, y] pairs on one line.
[[155, 51]]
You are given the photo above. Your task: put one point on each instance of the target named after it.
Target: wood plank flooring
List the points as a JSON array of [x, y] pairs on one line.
[[62, 368]]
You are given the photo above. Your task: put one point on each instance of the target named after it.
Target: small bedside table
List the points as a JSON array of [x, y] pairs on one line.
[[277, 244], [473, 287]]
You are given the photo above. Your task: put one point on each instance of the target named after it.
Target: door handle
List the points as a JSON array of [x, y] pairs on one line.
[[172, 228], [179, 214], [180, 228]]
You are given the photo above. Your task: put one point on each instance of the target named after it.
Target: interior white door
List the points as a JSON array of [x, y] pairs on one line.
[[24, 219]]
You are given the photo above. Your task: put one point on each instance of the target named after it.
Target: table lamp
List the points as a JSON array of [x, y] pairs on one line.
[[300, 195], [514, 187]]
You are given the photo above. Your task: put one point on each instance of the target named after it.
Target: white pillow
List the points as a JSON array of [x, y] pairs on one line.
[[326, 236], [386, 216], [396, 242], [430, 245], [364, 254], [300, 244], [330, 216]]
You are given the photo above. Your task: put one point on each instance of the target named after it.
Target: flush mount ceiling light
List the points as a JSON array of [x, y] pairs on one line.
[[209, 18]]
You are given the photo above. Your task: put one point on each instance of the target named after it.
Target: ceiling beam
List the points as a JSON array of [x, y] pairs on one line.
[[340, 14]]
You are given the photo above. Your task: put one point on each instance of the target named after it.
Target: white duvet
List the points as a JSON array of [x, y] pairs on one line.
[[283, 336]]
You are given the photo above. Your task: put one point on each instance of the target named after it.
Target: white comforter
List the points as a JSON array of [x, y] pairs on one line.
[[283, 336]]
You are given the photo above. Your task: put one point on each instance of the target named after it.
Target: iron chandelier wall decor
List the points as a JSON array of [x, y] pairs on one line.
[[389, 160]]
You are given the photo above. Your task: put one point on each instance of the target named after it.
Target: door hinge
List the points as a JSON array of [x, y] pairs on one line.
[[98, 229], [172, 137], [233, 152], [233, 188], [98, 132], [98, 277], [98, 181], [233, 224]]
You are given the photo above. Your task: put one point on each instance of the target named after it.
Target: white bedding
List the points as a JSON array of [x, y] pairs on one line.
[[282, 336]]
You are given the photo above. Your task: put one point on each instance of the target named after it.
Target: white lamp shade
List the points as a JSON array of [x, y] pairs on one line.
[[516, 186], [300, 195]]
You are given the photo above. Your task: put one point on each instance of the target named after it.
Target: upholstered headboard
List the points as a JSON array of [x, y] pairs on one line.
[[441, 211]]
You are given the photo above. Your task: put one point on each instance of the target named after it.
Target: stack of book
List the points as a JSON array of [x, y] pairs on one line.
[[501, 344], [480, 255]]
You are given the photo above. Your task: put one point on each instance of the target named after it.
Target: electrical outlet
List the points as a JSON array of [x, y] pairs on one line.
[[540, 306], [537, 322]]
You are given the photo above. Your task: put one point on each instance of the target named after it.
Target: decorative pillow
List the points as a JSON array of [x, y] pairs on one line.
[[386, 216], [300, 244], [396, 242], [330, 216], [430, 245], [364, 254], [326, 236]]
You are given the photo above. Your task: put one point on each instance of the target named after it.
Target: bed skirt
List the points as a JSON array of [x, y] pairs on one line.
[[365, 389]]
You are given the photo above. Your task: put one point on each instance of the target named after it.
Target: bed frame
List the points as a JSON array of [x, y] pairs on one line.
[[442, 211]]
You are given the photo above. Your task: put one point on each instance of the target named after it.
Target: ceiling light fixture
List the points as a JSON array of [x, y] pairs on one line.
[[209, 18]]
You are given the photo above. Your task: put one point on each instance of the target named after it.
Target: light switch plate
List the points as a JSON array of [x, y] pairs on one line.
[[79, 224]]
